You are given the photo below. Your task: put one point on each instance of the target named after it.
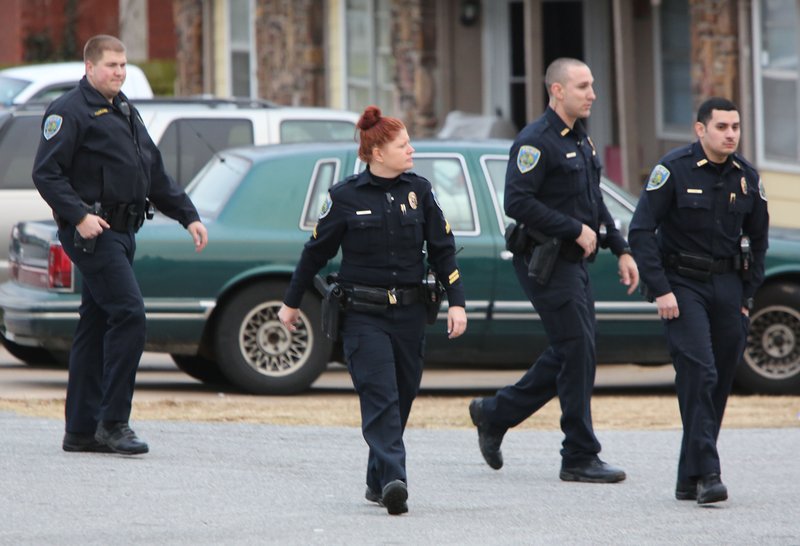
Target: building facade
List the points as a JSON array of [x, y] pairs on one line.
[[653, 61]]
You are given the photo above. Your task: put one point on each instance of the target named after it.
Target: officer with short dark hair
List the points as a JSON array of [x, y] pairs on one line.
[[699, 235], [553, 188], [384, 220], [97, 167]]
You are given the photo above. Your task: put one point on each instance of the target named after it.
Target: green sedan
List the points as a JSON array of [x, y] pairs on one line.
[[216, 312]]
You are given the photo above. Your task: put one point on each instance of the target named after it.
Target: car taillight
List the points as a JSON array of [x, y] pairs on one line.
[[59, 268]]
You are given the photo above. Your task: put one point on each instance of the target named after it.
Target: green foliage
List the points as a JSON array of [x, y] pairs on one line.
[[162, 74]]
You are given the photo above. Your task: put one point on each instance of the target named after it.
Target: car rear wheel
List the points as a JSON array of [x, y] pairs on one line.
[[200, 368], [771, 363], [258, 354]]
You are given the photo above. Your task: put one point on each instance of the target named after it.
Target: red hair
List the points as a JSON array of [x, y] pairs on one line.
[[375, 130]]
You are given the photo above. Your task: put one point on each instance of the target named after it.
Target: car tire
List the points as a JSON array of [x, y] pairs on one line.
[[771, 362], [200, 368], [258, 354], [32, 356]]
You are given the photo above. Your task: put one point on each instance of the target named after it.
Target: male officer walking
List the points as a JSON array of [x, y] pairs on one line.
[[553, 187], [699, 234], [96, 167]]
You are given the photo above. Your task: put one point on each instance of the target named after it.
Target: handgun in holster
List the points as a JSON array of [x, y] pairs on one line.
[[543, 259], [332, 302], [87, 245], [434, 291]]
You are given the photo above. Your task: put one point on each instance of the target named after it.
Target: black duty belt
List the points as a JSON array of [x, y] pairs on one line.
[[700, 267], [357, 297], [123, 217]]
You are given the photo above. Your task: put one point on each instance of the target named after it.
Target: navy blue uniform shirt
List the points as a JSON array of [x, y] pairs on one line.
[[553, 182], [692, 205], [381, 226], [90, 151]]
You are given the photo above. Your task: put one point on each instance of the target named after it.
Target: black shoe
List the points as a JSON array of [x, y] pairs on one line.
[[394, 497], [594, 471], [372, 496], [120, 438], [489, 439], [711, 489], [686, 490], [83, 442]]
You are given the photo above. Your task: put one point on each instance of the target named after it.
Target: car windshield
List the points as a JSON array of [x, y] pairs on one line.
[[10, 88], [215, 183]]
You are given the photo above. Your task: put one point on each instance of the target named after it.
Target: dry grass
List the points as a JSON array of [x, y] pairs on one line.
[[628, 411]]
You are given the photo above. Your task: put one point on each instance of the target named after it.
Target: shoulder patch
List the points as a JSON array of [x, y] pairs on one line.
[[657, 178], [527, 158], [761, 190], [326, 207], [51, 126]]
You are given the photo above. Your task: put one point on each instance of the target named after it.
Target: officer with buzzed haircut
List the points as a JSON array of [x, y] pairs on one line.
[[553, 192], [98, 169], [699, 234]]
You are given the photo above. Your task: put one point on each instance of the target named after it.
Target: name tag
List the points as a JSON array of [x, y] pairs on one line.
[[363, 212], [570, 155], [693, 190]]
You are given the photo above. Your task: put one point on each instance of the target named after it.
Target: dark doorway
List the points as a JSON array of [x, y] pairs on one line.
[[562, 32]]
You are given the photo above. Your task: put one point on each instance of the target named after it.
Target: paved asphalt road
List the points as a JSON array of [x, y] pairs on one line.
[[264, 484]]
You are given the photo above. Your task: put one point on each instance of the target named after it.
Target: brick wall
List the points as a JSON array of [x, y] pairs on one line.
[[414, 47], [290, 60], [188, 20], [715, 49], [161, 30]]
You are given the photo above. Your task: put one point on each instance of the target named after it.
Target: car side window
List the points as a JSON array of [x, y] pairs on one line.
[[17, 153], [325, 174], [494, 169], [451, 186], [188, 144], [48, 94], [312, 130]]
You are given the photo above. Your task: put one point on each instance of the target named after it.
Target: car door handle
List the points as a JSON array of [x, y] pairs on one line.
[[506, 255]]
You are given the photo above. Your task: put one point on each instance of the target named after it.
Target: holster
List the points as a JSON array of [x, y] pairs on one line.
[[332, 296], [543, 260], [433, 296]]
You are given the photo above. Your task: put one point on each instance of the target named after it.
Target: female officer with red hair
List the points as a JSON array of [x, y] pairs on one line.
[[384, 220]]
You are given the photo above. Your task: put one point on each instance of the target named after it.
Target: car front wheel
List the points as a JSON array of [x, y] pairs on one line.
[[258, 354], [771, 363]]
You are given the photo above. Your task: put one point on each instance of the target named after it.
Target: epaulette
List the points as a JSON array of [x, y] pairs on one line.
[[343, 183], [677, 153]]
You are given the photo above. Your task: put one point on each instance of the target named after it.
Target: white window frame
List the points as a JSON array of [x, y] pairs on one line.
[[787, 166], [662, 131], [250, 49], [373, 85]]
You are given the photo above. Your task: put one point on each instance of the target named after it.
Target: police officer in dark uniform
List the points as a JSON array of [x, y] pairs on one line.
[[553, 189], [699, 235], [96, 167], [381, 219]]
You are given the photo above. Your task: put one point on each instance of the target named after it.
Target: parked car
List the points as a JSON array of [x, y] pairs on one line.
[[188, 131], [216, 312], [41, 83]]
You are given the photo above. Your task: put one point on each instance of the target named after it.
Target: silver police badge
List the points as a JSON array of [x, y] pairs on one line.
[[527, 158], [51, 126], [657, 178]]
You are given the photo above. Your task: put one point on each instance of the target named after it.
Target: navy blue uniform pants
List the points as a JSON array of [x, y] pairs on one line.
[[384, 354], [706, 343], [110, 335], [565, 369]]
